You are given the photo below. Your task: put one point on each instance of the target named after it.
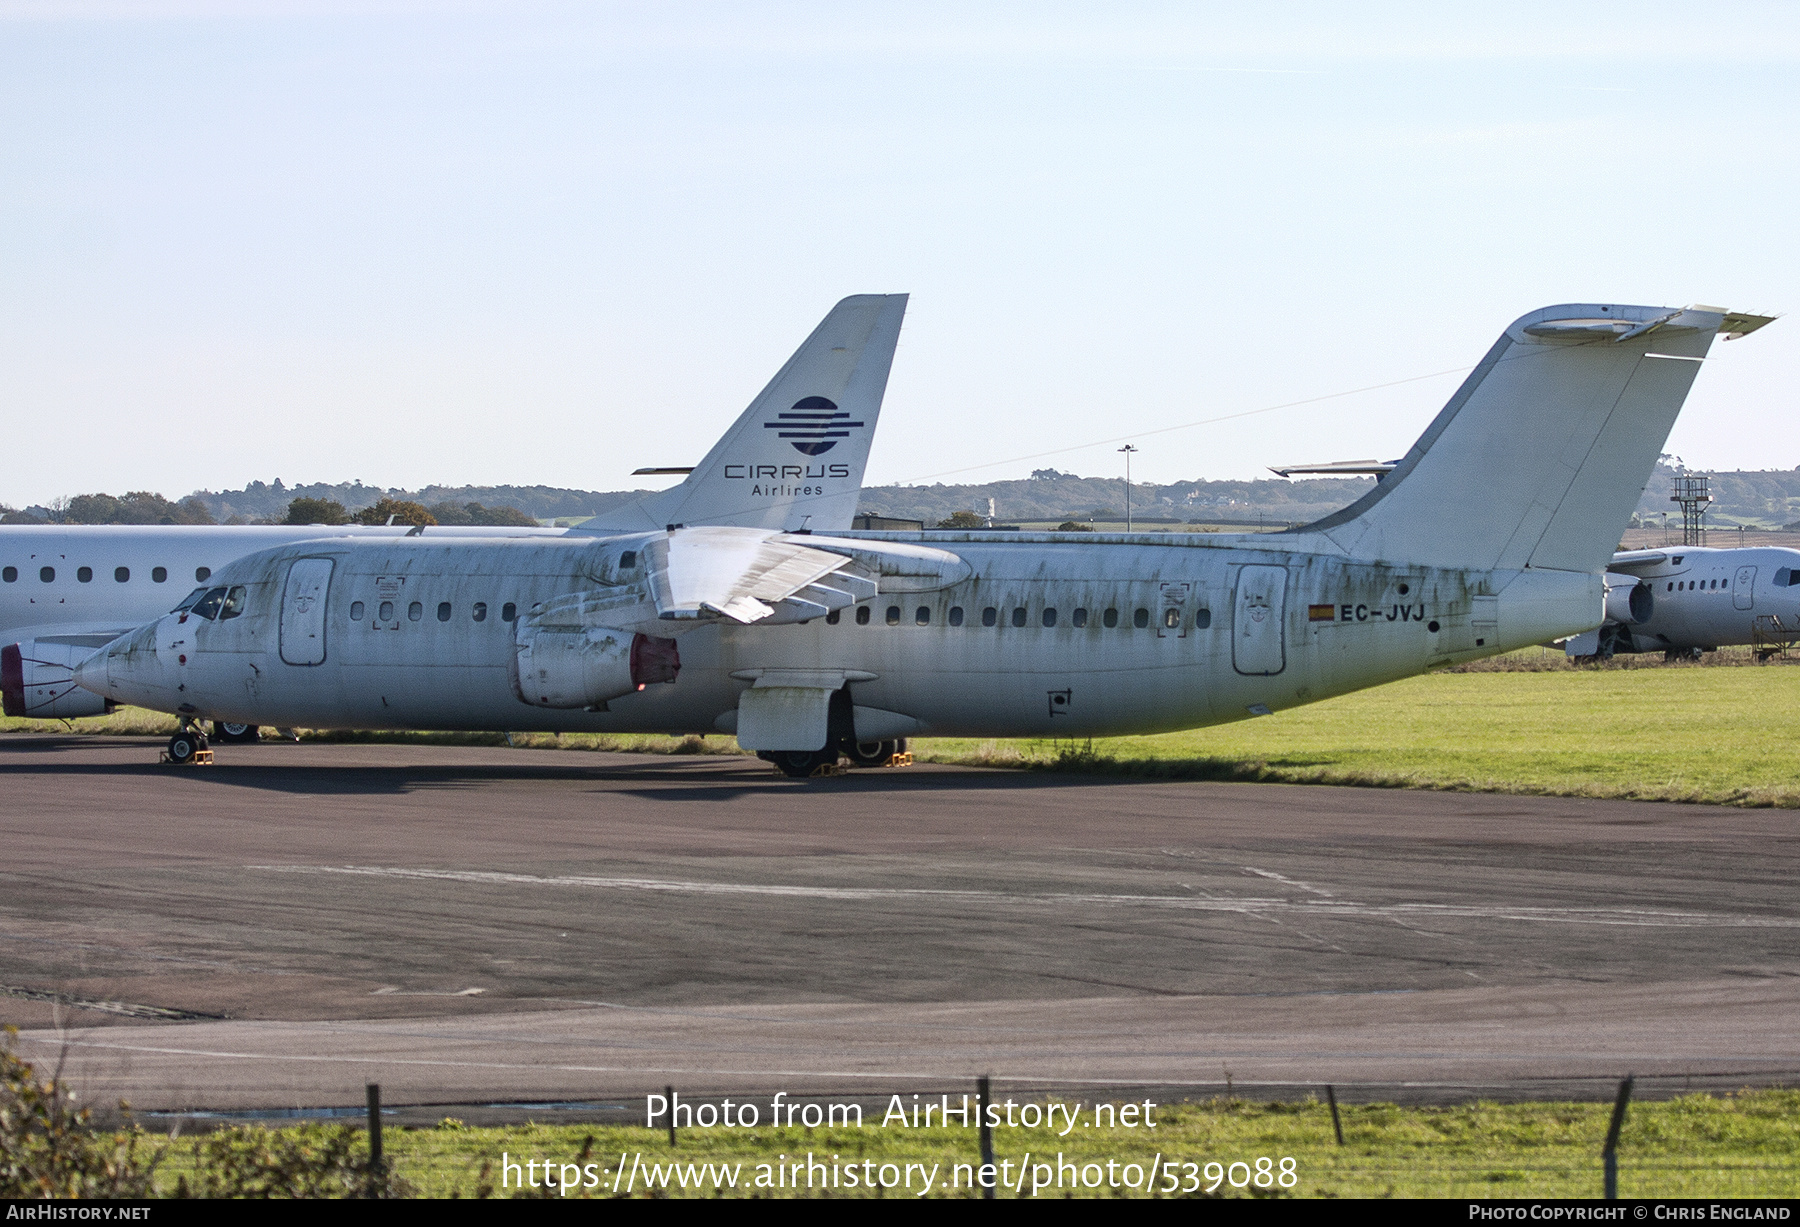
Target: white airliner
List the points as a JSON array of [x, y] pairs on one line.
[[808, 645], [1686, 600], [67, 590]]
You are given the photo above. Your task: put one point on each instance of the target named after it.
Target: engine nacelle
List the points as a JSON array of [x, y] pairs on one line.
[[1629, 600], [586, 666], [37, 679]]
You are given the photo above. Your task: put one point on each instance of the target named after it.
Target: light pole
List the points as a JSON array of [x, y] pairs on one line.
[[1128, 450]]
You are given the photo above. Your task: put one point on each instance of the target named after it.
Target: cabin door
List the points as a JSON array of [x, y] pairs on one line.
[[1742, 588], [303, 611], [1256, 627]]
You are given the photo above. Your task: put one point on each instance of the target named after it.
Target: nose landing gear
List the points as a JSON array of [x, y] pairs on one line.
[[188, 749]]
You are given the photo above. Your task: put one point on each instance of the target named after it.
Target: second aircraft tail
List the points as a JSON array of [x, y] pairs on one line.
[[795, 458]]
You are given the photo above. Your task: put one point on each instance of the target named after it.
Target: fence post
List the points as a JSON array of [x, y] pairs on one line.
[[1337, 1126], [987, 1137], [1609, 1155], [669, 1098], [377, 1165]]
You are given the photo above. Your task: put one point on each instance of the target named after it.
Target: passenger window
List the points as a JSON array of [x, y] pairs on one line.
[[893, 615], [990, 616], [415, 611], [479, 613], [1109, 619], [1018, 618], [122, 574], [1141, 619], [202, 574], [508, 612], [47, 574], [159, 575], [834, 617], [627, 560], [443, 611], [1049, 616], [862, 615], [956, 615], [10, 575], [1171, 618], [922, 615], [84, 574], [1671, 588], [1202, 619], [234, 603], [386, 612], [357, 609], [1078, 619], [209, 605]]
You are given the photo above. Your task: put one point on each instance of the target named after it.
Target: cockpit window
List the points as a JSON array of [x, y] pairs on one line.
[[208, 606], [234, 603], [193, 599]]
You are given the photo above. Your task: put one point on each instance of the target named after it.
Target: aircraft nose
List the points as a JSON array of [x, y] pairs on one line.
[[91, 674]]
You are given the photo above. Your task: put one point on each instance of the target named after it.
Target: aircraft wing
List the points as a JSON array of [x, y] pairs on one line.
[[743, 574], [1632, 562], [719, 574]]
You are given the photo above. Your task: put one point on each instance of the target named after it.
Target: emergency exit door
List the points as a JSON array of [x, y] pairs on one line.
[[303, 611], [1257, 645]]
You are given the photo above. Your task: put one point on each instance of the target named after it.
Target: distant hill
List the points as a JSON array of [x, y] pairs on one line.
[[1065, 496], [1767, 498], [259, 501], [1760, 498]]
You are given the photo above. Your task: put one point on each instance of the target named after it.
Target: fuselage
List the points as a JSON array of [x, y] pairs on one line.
[[1042, 635], [60, 579], [1707, 598]]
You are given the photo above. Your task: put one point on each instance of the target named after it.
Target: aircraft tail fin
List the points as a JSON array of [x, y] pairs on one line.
[[795, 458], [1540, 456]]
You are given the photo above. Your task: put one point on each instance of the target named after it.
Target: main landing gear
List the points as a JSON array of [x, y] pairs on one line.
[[803, 764], [236, 734]]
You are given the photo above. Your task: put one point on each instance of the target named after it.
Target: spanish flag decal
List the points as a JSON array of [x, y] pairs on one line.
[[1321, 613]]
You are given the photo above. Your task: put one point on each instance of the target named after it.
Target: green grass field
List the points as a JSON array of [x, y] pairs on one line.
[[1743, 1145], [1717, 735], [1677, 733]]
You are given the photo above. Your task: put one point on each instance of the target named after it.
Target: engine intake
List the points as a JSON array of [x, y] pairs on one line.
[[586, 666], [1629, 600], [37, 679]]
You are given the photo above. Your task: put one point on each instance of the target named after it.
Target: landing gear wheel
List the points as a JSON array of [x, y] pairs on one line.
[[236, 734], [868, 753], [184, 745], [799, 764]]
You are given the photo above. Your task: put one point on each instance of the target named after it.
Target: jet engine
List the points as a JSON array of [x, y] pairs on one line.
[[586, 666], [37, 678], [1629, 600]]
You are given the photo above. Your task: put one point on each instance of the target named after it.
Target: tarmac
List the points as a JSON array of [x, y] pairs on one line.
[[530, 927]]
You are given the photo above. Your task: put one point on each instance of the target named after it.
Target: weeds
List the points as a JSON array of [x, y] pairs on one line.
[[47, 1147]]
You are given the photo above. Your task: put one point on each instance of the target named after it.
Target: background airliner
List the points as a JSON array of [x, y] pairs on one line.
[[68, 590]]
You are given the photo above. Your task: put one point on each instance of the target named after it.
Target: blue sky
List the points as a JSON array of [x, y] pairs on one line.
[[415, 242]]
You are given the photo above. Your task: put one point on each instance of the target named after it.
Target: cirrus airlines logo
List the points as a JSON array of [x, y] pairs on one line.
[[813, 425]]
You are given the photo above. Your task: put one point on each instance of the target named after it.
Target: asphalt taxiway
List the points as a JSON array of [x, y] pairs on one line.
[[475, 924]]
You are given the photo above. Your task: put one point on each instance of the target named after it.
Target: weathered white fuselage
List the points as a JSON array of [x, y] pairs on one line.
[[1086, 637]]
